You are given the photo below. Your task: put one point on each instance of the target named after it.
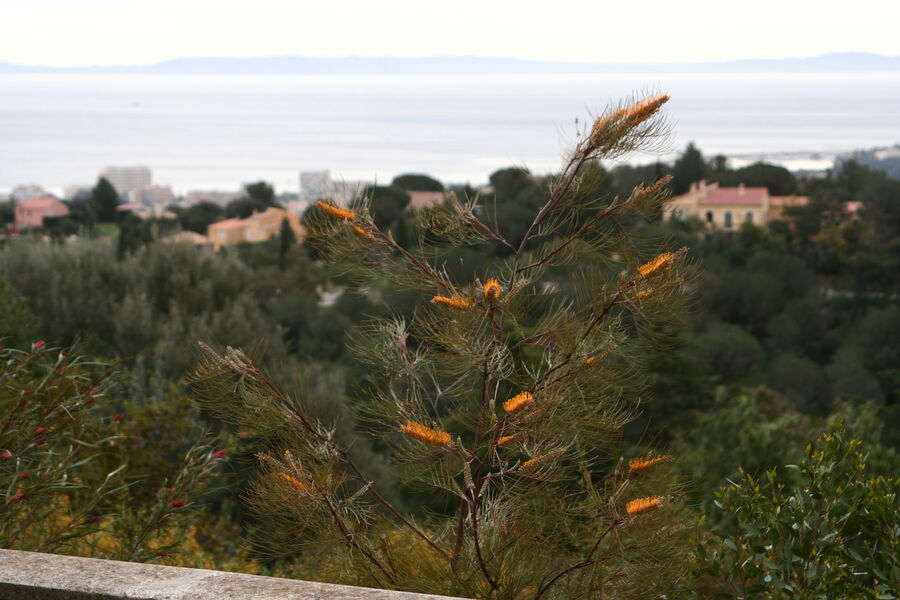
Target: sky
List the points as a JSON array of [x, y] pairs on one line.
[[111, 32]]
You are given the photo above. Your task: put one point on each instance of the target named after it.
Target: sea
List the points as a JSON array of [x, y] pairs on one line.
[[218, 132]]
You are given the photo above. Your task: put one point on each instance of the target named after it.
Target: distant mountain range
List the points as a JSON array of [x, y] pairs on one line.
[[471, 65]]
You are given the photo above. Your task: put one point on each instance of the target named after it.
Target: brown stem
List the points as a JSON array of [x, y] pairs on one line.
[[585, 562], [475, 537], [348, 535]]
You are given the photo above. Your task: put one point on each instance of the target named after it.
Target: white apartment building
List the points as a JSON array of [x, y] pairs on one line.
[[126, 179]]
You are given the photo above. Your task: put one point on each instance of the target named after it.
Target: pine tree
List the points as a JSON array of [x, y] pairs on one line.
[[502, 399]]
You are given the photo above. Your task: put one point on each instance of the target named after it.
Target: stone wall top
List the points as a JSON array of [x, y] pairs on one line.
[[37, 576]]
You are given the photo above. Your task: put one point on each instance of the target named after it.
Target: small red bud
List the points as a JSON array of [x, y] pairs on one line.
[[243, 434], [41, 441], [89, 400], [178, 503], [218, 454], [19, 497], [118, 417], [40, 430], [163, 553], [38, 345], [6, 454], [23, 475], [92, 519], [62, 369]]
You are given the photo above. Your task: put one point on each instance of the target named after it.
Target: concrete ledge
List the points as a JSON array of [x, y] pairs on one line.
[[37, 576]]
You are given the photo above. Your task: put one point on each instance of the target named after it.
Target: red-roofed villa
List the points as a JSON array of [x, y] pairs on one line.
[[729, 207], [31, 212]]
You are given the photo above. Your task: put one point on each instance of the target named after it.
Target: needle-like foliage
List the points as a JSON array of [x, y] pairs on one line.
[[503, 398]]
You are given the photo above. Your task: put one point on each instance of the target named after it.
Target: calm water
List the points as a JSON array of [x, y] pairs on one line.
[[216, 132]]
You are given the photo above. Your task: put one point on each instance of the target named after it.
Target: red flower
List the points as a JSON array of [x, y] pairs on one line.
[[62, 369], [40, 430], [178, 503], [163, 553], [92, 519], [118, 417], [19, 497], [218, 454], [6, 454], [23, 475], [38, 345]]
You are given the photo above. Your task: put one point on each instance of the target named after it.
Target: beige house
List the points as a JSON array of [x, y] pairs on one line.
[[258, 227], [727, 208]]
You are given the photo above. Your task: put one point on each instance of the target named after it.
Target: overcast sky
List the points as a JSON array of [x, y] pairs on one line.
[[106, 32]]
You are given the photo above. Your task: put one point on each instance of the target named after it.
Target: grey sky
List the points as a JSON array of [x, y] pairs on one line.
[[85, 32]]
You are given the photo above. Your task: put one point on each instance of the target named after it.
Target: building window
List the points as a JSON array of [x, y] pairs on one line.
[[749, 218], [728, 221], [709, 216]]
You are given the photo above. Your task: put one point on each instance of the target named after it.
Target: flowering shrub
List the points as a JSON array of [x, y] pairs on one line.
[[64, 476], [501, 401]]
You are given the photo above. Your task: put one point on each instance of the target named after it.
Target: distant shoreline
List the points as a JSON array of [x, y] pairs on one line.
[[851, 62]]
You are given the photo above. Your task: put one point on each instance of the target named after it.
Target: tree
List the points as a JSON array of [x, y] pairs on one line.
[[200, 216], [388, 204], [261, 192], [257, 198], [287, 239], [417, 182], [689, 168], [503, 416], [105, 200]]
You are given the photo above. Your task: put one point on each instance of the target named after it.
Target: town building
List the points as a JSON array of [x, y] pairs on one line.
[[223, 199], [727, 208], [419, 200], [126, 179], [31, 212], [26, 192], [258, 227], [318, 185], [155, 197]]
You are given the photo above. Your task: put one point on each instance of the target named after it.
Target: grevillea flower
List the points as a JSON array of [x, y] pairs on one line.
[[641, 463], [657, 266], [40, 430], [642, 505], [118, 417], [178, 503], [218, 454], [460, 302], [645, 109], [23, 475], [506, 440], [426, 434], [38, 345], [6, 454], [491, 290], [366, 235], [334, 211], [644, 294], [518, 402], [294, 482], [19, 497]]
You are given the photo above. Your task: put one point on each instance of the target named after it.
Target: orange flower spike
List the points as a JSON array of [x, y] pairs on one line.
[[459, 302], [334, 211], [294, 483], [506, 440], [425, 434], [644, 294], [518, 402], [642, 464], [642, 505], [645, 109], [657, 266], [366, 235], [491, 290]]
